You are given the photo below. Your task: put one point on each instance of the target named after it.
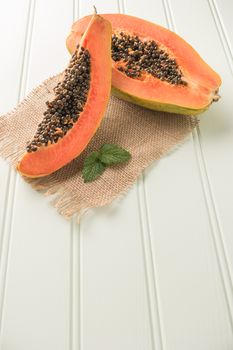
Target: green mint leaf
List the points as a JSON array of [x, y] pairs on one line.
[[95, 164], [92, 170], [113, 154], [92, 158]]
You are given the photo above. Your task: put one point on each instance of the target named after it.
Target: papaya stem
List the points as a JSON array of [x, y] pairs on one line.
[[216, 98], [95, 11]]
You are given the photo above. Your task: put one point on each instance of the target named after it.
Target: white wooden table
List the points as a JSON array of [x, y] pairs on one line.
[[154, 270]]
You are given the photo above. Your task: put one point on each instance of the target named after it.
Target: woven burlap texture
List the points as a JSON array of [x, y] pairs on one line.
[[146, 134]]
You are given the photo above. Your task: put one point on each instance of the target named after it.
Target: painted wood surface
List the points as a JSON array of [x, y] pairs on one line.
[[153, 270]]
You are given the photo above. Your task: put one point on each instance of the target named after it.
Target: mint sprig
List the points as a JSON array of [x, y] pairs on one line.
[[93, 167], [95, 164], [113, 154]]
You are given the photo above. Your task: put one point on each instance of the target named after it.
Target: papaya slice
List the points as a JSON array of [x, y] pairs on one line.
[[154, 67], [80, 100]]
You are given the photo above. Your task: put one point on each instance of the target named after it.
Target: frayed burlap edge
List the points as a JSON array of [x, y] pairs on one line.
[[63, 200]]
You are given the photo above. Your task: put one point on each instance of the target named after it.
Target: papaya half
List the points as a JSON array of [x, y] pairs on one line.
[[154, 67], [78, 106]]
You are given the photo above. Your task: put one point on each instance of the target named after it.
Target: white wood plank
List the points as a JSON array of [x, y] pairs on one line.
[[113, 296], [36, 311], [190, 286], [182, 242], [114, 303], [4, 171], [224, 12], [216, 137], [49, 54], [217, 123], [145, 10], [12, 40]]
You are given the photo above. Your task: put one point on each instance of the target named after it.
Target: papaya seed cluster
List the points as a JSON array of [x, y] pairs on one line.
[[65, 108], [136, 57]]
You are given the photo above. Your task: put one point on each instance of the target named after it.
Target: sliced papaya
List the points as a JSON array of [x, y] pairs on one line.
[[78, 106], [154, 67]]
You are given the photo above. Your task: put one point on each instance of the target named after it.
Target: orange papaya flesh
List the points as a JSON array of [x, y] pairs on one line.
[[200, 83], [45, 157]]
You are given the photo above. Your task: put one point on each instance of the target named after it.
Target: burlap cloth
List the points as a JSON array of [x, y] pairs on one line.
[[146, 134]]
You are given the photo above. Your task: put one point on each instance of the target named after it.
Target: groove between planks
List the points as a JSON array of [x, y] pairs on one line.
[[75, 288], [75, 263], [153, 300]]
